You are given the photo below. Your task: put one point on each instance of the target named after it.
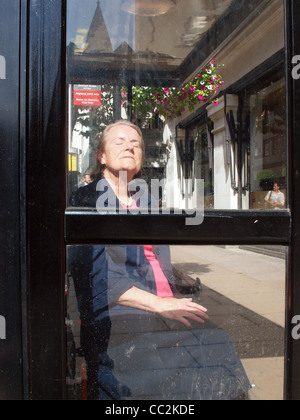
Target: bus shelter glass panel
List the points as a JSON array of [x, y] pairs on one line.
[[227, 343], [208, 96]]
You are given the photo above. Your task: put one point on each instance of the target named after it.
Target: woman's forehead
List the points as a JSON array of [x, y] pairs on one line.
[[123, 131]]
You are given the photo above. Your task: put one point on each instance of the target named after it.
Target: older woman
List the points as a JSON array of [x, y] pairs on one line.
[[126, 286], [121, 149]]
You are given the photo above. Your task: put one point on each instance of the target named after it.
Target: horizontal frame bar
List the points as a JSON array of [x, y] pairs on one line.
[[223, 227]]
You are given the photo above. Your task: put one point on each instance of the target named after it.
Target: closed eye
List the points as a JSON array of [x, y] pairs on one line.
[[120, 141]]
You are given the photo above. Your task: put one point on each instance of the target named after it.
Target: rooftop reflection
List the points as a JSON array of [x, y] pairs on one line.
[[104, 35]]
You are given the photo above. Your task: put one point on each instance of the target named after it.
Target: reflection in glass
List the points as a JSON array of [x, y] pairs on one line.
[[268, 138], [146, 8], [111, 52], [132, 290], [119, 349], [106, 34], [117, 60], [120, 352]]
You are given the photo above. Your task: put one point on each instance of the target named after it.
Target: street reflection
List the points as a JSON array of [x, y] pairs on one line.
[[175, 323], [124, 353]]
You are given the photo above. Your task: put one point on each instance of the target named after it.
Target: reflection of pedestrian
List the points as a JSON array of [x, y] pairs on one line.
[[87, 179], [131, 289], [275, 198]]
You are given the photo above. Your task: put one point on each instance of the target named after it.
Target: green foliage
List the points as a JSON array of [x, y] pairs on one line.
[[265, 174], [171, 103]]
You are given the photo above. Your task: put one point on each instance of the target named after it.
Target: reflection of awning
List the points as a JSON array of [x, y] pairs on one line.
[[130, 60], [108, 68]]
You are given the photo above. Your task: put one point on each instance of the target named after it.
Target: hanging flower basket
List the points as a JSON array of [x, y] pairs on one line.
[[171, 103]]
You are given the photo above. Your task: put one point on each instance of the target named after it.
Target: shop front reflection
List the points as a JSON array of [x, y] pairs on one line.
[[134, 351], [124, 353], [139, 354]]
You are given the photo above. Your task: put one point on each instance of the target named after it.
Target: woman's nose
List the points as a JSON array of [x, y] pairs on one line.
[[129, 145]]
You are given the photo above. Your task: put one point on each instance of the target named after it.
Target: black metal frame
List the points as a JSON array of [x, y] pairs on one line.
[[228, 227], [292, 379], [49, 229], [10, 222], [45, 198]]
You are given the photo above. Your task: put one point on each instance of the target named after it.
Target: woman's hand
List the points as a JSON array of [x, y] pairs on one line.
[[182, 310]]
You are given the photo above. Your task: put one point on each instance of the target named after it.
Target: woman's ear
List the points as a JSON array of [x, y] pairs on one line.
[[101, 157]]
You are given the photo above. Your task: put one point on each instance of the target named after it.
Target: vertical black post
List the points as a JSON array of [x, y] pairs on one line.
[[292, 382], [130, 99], [46, 172], [117, 102], [240, 152], [10, 279]]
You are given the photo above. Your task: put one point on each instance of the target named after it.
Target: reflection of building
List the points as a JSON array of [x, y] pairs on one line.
[[98, 40], [234, 156], [159, 48], [256, 145]]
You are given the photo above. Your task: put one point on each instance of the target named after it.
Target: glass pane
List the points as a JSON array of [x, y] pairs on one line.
[[268, 143], [208, 104], [208, 96], [127, 339]]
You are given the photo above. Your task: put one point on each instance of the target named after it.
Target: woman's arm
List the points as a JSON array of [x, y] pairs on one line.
[[176, 309]]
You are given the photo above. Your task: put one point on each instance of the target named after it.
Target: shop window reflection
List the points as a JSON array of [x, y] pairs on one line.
[[238, 148], [146, 356], [268, 144], [107, 53]]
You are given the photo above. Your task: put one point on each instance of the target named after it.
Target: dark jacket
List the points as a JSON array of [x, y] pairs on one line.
[[129, 356], [103, 273]]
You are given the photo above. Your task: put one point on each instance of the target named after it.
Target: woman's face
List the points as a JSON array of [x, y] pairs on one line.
[[123, 151]]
